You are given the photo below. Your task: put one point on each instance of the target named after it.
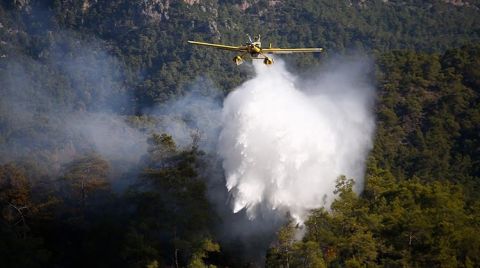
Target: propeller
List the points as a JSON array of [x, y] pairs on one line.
[[250, 38]]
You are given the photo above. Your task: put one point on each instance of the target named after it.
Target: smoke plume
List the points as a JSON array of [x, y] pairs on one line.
[[65, 105], [194, 116], [284, 141]]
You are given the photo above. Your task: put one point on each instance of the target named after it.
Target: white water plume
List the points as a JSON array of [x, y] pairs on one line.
[[284, 141]]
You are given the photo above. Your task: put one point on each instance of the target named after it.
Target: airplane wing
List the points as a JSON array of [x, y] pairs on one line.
[[290, 50], [231, 48]]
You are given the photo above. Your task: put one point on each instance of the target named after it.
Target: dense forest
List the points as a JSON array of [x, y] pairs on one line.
[[73, 194]]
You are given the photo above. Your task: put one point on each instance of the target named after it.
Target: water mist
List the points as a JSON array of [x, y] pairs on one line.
[[284, 141]]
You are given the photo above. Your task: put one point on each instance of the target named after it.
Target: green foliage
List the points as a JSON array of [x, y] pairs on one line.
[[171, 203], [421, 191], [402, 224], [161, 148], [288, 252], [198, 257], [420, 206], [149, 37], [428, 110]]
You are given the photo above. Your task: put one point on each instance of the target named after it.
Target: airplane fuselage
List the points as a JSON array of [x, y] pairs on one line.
[[254, 49]]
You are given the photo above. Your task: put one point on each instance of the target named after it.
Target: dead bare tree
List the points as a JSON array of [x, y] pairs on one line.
[[21, 220]]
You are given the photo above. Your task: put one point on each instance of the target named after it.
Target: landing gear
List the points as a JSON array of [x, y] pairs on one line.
[[238, 60], [268, 61], [257, 56]]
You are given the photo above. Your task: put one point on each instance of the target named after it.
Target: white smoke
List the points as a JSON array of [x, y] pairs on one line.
[[197, 113], [284, 140], [54, 123]]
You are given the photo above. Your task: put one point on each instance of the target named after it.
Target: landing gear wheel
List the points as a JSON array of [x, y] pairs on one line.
[[238, 60], [268, 61]]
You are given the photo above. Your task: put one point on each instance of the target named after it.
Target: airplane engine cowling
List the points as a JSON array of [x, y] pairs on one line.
[[238, 60], [268, 61]]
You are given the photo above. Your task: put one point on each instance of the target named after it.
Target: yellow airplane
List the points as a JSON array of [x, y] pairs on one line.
[[255, 50]]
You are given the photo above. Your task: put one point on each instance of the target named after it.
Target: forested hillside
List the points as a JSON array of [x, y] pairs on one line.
[[420, 204], [89, 177]]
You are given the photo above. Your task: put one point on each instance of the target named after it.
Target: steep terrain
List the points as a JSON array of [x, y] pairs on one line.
[[90, 175]]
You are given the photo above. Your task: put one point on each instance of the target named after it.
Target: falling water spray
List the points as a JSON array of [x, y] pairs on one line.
[[284, 141]]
